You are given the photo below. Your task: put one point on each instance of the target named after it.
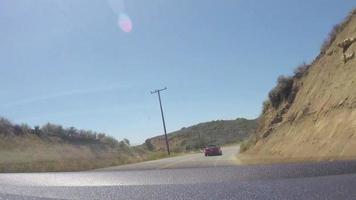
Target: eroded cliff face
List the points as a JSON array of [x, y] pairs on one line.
[[319, 117]]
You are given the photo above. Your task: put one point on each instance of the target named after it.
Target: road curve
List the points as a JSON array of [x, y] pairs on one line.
[[186, 161], [190, 177]]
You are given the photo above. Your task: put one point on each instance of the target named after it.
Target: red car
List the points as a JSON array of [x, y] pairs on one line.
[[212, 150]]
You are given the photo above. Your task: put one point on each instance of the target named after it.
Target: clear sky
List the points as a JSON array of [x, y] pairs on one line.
[[68, 62]]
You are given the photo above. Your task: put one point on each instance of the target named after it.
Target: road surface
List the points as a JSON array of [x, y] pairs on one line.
[[190, 177], [187, 161]]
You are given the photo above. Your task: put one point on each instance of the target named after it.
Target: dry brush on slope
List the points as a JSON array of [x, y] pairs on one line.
[[54, 148], [313, 116]]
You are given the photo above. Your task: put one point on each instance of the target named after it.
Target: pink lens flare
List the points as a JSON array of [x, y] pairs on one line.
[[125, 23]]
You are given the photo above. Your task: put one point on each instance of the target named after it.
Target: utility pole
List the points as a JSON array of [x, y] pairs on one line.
[[164, 123]]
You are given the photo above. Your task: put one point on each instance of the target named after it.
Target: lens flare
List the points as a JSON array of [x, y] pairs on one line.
[[125, 23]]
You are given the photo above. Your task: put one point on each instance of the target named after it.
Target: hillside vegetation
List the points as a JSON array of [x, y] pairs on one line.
[[219, 132], [54, 148], [312, 115]]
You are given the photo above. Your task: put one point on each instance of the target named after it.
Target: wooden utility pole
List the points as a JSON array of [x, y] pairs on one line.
[[162, 115]]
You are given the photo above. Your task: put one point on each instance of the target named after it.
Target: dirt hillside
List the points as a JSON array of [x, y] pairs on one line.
[[317, 116]]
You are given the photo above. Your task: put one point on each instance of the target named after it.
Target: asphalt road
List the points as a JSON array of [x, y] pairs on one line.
[[187, 161], [190, 177]]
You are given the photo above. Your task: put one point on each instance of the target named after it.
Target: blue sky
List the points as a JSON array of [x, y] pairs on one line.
[[67, 62]]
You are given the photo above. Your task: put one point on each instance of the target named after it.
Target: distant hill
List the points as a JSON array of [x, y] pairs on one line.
[[215, 132]]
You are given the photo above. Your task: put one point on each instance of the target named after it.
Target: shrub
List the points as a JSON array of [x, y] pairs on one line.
[[334, 31], [127, 142], [266, 105], [37, 130], [6, 127], [26, 129], [18, 130], [330, 39], [149, 145], [52, 130], [112, 142], [124, 144], [282, 91], [301, 70]]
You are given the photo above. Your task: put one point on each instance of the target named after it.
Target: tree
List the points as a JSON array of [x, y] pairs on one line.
[[53, 130], [37, 130], [112, 142], [127, 142], [149, 145]]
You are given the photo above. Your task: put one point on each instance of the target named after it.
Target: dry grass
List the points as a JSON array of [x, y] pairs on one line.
[[22, 162], [54, 148], [248, 159], [248, 143], [33, 154]]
